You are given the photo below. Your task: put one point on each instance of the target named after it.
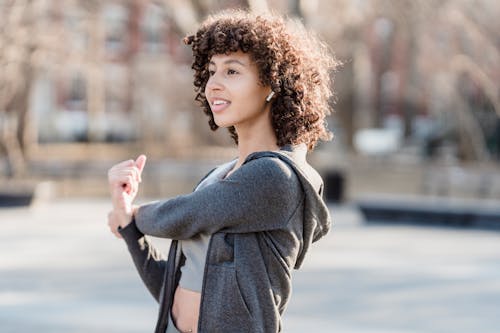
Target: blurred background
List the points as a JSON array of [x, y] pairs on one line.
[[84, 84]]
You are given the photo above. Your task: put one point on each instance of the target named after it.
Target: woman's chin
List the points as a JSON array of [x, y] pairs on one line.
[[223, 124]]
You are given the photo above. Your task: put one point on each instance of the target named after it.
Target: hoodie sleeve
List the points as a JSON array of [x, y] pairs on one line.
[[148, 261], [261, 195]]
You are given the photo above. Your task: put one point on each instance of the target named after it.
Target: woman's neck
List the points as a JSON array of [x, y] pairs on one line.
[[251, 140], [247, 148]]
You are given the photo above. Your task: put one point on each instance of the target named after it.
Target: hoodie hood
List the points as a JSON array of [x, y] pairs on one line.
[[317, 221]]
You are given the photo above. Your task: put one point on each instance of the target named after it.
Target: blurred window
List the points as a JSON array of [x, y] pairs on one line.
[[153, 28], [115, 18], [77, 95], [116, 77], [74, 22]]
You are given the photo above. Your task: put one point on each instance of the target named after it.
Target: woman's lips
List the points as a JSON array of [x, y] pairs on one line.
[[219, 105]]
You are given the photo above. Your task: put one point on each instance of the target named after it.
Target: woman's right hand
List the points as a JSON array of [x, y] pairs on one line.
[[123, 180], [125, 177]]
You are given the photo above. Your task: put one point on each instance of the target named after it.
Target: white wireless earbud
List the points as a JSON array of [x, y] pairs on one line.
[[268, 98]]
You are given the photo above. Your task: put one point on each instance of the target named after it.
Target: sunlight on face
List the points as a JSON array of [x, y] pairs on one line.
[[234, 91]]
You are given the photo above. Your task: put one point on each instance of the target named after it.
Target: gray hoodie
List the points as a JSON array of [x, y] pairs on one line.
[[262, 218]]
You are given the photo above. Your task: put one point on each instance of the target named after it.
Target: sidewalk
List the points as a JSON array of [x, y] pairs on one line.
[[62, 271]]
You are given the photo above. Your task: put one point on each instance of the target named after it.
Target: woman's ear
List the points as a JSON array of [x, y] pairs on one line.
[[268, 98]]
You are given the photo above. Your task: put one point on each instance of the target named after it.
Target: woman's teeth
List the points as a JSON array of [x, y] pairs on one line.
[[218, 102]]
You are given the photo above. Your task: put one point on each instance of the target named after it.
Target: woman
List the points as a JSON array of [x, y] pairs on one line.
[[249, 223]]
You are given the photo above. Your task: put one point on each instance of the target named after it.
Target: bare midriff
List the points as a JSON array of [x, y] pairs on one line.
[[186, 309]]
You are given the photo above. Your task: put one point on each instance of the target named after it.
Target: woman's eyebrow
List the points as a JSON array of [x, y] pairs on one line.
[[229, 61]]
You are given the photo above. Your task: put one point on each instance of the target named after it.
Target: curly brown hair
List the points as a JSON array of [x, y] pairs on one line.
[[291, 60]]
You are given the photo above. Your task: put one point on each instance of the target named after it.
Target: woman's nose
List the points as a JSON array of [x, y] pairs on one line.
[[214, 83]]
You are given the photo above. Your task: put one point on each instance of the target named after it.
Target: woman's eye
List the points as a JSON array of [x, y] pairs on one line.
[[210, 73], [231, 71]]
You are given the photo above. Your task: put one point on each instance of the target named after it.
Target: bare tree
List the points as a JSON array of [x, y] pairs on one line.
[[413, 42], [16, 51]]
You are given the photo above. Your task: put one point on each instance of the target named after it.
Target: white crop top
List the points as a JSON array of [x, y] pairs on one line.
[[195, 249]]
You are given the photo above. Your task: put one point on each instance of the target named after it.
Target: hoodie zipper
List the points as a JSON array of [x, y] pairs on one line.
[[203, 284], [168, 292]]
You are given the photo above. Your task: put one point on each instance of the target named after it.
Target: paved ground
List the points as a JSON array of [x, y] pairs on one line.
[[61, 271]]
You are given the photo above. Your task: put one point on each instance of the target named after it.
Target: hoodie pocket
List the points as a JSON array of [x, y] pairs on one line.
[[224, 307]]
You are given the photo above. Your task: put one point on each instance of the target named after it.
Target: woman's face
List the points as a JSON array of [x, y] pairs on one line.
[[234, 92]]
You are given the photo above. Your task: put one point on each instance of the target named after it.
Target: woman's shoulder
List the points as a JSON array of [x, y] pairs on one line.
[[271, 165], [270, 171]]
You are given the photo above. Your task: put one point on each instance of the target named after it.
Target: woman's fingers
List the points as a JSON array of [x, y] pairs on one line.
[[118, 168], [122, 175], [124, 164], [140, 162], [127, 168], [124, 179]]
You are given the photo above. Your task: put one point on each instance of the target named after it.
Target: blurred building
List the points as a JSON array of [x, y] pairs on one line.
[[424, 71], [123, 62], [418, 74], [419, 82]]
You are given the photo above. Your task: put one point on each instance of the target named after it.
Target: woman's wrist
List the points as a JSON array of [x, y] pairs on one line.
[[135, 208], [125, 217], [129, 216]]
